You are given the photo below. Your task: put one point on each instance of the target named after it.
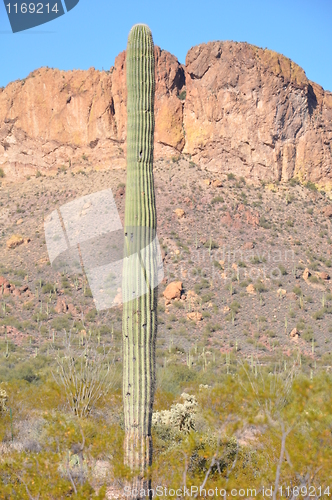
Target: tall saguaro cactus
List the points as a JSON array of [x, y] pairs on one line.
[[139, 269]]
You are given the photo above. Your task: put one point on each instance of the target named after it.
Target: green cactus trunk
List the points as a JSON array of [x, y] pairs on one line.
[[139, 323]]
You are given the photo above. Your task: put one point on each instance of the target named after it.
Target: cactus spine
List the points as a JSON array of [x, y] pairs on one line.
[[139, 323]]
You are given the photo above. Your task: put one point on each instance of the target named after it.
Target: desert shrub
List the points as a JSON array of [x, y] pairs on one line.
[[260, 287], [87, 292], [85, 374], [300, 325], [65, 283], [210, 328], [311, 185], [47, 288], [60, 323], [174, 378], [206, 297], [91, 315], [235, 306], [11, 321], [217, 199], [283, 270], [161, 308], [104, 330], [20, 273], [264, 223], [181, 416], [308, 334], [256, 260], [211, 244], [30, 370], [319, 314], [27, 306], [2, 173], [39, 316], [199, 286]]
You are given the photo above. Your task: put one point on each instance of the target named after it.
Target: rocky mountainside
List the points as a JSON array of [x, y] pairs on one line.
[[232, 107]]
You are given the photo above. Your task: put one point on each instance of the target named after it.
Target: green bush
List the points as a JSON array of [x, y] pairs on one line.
[[91, 315], [264, 223], [2, 173], [283, 270], [308, 334], [207, 297], [174, 378], [319, 314], [260, 287], [60, 323], [311, 185], [47, 288], [217, 199]]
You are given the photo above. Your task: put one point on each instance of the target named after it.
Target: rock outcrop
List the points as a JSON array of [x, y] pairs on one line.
[[233, 107], [254, 112]]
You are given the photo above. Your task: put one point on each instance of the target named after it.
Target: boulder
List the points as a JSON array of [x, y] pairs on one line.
[[195, 316], [294, 334], [327, 211], [251, 289], [14, 241], [180, 213], [173, 290], [306, 274], [61, 306]]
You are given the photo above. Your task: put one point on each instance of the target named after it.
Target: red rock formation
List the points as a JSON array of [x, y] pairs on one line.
[[254, 112], [247, 110]]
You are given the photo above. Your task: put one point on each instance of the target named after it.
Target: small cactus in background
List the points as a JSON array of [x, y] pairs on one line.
[[139, 323], [3, 400]]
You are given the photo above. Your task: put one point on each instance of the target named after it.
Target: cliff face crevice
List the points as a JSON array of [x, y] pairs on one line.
[[246, 110]]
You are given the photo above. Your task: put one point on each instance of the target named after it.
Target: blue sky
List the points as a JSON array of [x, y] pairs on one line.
[[95, 31]]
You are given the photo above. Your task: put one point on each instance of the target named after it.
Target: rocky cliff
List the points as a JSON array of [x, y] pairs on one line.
[[232, 107]]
